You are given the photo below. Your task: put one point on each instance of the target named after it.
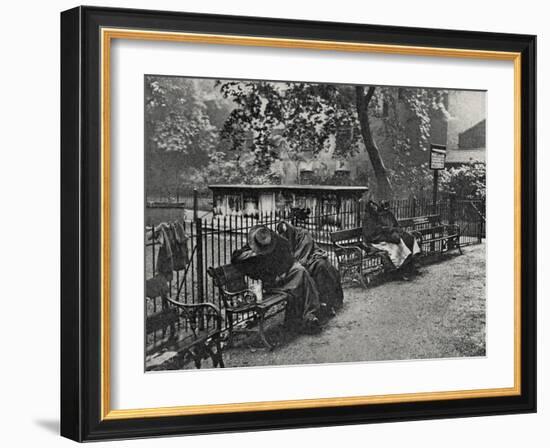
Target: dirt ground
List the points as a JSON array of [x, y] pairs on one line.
[[439, 313]]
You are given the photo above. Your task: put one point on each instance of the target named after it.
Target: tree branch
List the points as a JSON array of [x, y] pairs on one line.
[[369, 95]]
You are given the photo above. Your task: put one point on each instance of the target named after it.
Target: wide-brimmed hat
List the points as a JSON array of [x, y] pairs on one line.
[[261, 240]]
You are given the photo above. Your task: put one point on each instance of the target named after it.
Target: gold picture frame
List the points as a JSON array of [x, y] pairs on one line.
[[108, 30]]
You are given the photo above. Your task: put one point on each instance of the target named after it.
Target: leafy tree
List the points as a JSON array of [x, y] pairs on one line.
[[310, 117], [363, 99], [466, 181], [178, 131], [407, 117], [229, 168]]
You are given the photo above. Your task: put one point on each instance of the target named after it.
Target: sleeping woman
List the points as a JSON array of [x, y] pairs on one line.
[[381, 230], [315, 260]]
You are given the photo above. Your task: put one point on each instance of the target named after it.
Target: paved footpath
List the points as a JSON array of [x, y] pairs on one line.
[[439, 313]]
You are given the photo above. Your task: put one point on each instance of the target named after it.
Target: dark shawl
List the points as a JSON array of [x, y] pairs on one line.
[[280, 271], [381, 225], [315, 260], [302, 244]]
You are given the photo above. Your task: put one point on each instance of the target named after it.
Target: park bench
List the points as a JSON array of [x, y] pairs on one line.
[[435, 237], [358, 261], [240, 300], [190, 332]]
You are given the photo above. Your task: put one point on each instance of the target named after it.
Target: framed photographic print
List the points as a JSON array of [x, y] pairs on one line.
[[275, 224]]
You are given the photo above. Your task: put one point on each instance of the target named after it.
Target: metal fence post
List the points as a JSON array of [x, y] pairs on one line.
[[200, 256], [199, 243], [480, 226], [452, 208]]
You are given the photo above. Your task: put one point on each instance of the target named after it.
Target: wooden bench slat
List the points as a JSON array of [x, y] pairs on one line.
[[419, 220], [344, 235], [272, 300], [443, 238]]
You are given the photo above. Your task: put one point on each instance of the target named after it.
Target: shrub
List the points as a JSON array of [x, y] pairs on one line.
[[467, 181]]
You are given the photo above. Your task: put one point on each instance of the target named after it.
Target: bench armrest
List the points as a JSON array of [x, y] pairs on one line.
[[191, 310], [348, 251], [349, 248], [238, 299]]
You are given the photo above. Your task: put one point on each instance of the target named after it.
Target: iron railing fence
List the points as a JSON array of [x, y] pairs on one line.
[[212, 240]]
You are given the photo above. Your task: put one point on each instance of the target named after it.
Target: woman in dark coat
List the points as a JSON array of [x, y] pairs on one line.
[[315, 260], [267, 257], [381, 230]]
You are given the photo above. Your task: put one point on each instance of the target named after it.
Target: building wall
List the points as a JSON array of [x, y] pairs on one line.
[[323, 164], [473, 137], [466, 108]]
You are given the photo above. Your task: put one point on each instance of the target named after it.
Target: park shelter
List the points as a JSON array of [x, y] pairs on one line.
[[257, 200]]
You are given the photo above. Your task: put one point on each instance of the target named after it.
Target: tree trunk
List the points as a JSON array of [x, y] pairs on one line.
[[383, 185]]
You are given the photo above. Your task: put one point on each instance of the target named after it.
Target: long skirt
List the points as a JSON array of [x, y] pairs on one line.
[[328, 282], [303, 304]]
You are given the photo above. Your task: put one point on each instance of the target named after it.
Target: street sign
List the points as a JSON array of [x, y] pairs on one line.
[[437, 162], [437, 157]]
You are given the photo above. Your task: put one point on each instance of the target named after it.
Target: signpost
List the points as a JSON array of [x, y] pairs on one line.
[[437, 162]]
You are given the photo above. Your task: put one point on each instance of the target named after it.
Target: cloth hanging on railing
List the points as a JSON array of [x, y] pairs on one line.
[[178, 240], [173, 254], [165, 262]]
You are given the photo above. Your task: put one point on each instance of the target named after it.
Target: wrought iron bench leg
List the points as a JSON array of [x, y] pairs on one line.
[[219, 353], [230, 334], [361, 279], [458, 245], [262, 331], [216, 356], [198, 360], [454, 243], [362, 276]]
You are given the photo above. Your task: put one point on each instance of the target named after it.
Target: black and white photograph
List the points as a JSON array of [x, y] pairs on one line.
[[291, 223], [275, 224]]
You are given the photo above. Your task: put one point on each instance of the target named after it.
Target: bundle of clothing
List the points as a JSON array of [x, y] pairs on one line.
[[381, 230], [268, 257], [173, 255]]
